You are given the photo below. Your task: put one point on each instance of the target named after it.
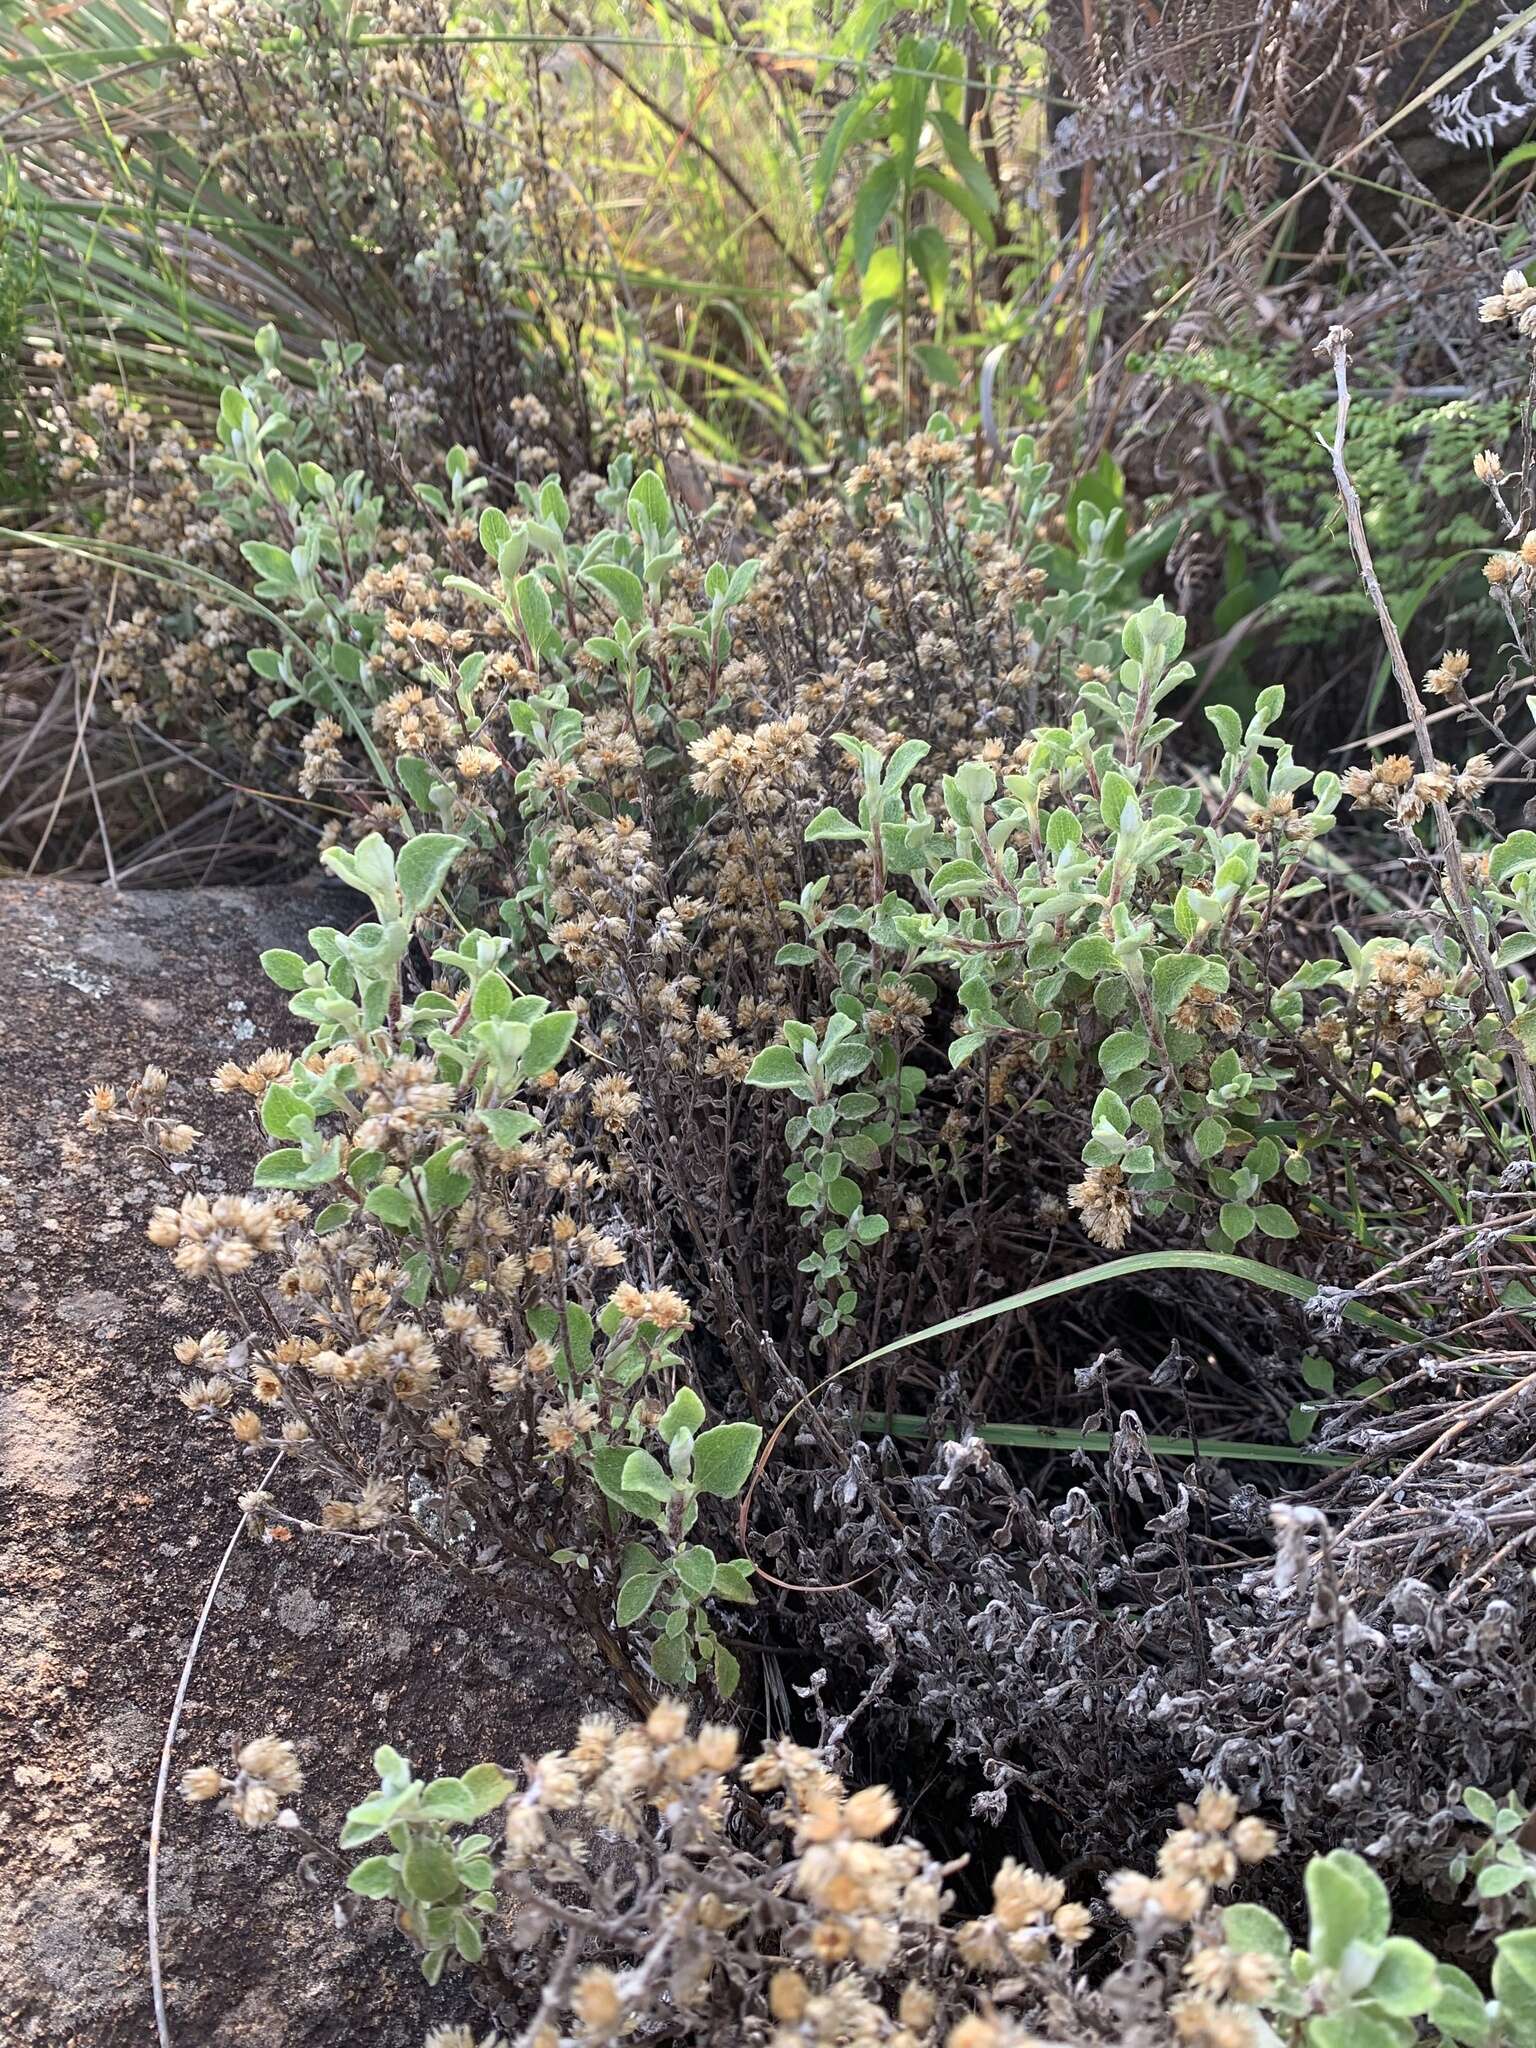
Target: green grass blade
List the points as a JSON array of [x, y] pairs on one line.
[[1235, 1267], [1025, 1435], [1020, 1436]]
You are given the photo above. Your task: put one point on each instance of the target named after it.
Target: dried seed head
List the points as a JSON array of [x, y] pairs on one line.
[[596, 2003], [870, 1812], [273, 1760]]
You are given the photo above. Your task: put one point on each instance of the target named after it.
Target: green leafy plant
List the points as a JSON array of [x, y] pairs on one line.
[[1503, 1866], [841, 1128], [1357, 1985], [675, 1586], [1100, 932], [1080, 884], [441, 1882], [475, 1353], [910, 120]]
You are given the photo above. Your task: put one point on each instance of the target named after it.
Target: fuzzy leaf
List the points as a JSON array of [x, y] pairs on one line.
[[392, 1206], [422, 867], [495, 530], [733, 1582], [283, 1112], [1275, 1221], [1090, 957], [274, 564], [508, 1127], [1346, 1900], [446, 1799], [392, 1770], [608, 1464], [671, 1662], [1173, 976], [1510, 854], [1252, 1930], [373, 1878], [831, 824], [279, 1169], [775, 1067], [549, 1039], [723, 1458], [446, 1187], [623, 586], [487, 1786], [1355, 2028], [283, 967], [492, 998], [1404, 1982], [1514, 1985], [1115, 794], [635, 1597], [727, 1672], [534, 610], [429, 1873], [648, 503], [1458, 2008], [695, 1566], [643, 1474], [1122, 1051], [684, 1411]]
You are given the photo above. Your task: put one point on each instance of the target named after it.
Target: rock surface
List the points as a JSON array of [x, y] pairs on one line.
[[115, 1509]]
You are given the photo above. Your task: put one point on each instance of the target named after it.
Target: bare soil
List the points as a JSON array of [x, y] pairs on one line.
[[115, 1509]]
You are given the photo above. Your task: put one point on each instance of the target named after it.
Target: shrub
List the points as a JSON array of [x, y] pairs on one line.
[[366, 161], [748, 1899], [445, 1348], [759, 1900], [647, 754], [848, 1052]]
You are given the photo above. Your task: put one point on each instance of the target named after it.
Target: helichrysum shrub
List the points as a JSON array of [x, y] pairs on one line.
[[829, 959], [447, 1346], [810, 915], [753, 1899], [763, 1900], [761, 853], [654, 739]]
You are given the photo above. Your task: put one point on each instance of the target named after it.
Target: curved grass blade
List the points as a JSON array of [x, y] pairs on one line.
[[1235, 1267]]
